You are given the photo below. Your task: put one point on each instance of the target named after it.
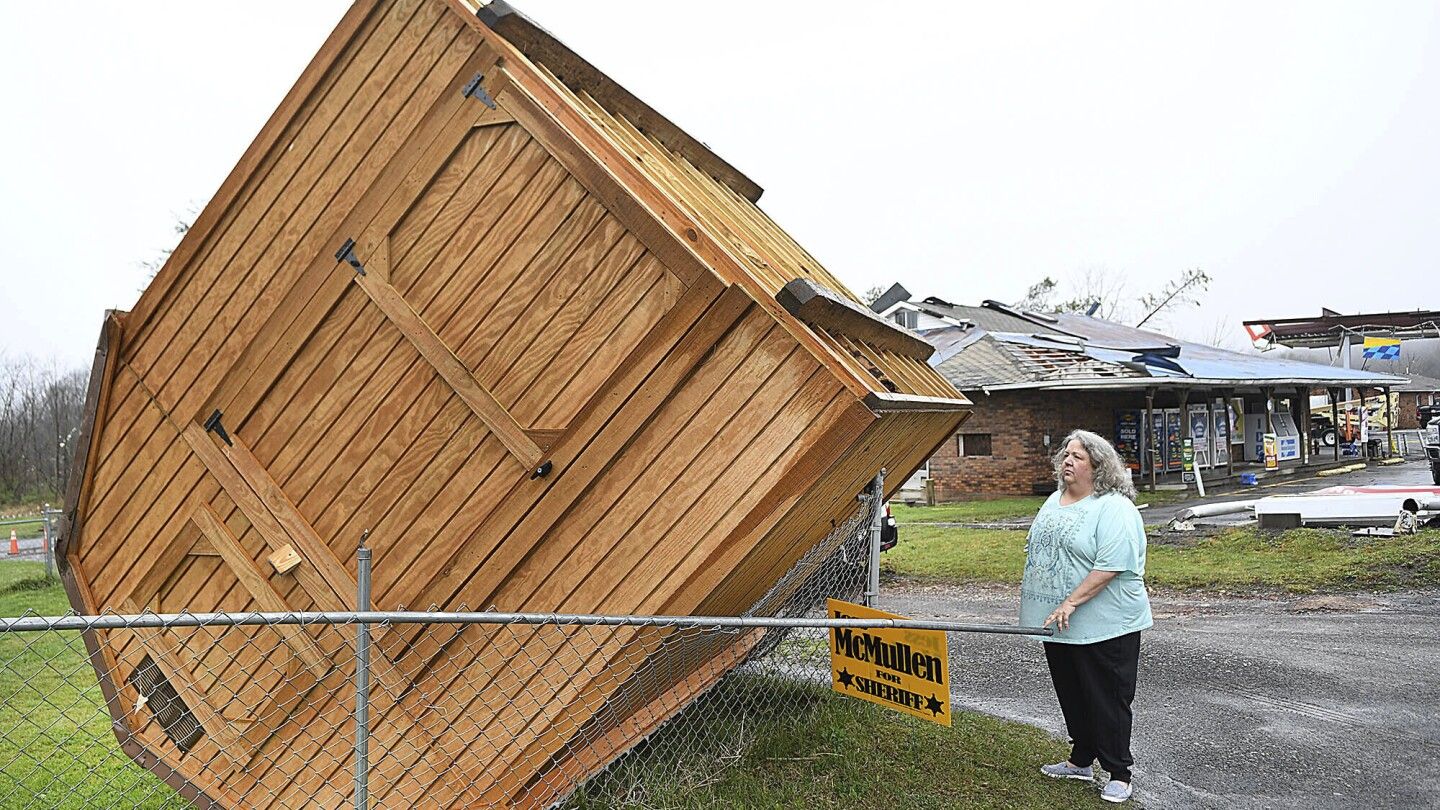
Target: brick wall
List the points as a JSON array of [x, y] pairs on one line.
[[1018, 422], [1407, 416]]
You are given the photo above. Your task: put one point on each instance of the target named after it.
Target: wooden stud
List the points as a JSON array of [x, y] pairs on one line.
[[253, 580], [482, 403], [284, 559]]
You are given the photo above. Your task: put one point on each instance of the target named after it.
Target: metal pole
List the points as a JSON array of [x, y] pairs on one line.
[[116, 621], [877, 502], [1304, 408], [362, 677], [1335, 418], [1210, 433], [1153, 442], [49, 546], [1363, 428], [1389, 425], [1345, 363], [1226, 395]]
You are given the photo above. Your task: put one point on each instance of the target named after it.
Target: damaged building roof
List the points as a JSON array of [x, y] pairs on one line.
[[994, 347]]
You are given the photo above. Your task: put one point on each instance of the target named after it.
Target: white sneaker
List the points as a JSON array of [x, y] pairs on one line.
[[1064, 770], [1116, 792]]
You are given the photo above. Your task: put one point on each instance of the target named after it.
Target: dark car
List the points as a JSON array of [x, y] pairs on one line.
[[1427, 413]]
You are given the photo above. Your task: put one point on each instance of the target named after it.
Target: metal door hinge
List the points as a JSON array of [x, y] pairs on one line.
[[346, 254], [475, 90], [212, 425]]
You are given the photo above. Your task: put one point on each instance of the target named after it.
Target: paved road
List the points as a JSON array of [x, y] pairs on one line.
[[1318, 702], [31, 548]]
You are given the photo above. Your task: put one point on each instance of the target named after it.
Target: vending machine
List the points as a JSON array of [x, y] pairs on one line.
[[1287, 437], [1174, 428], [1155, 442], [1199, 424], [1221, 433]]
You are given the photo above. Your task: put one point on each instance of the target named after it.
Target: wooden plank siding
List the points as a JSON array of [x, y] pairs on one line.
[[541, 285]]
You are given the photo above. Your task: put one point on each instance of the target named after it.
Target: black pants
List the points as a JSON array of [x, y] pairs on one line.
[[1096, 685]]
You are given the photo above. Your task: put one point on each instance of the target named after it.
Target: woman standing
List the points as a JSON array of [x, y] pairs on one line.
[[1084, 574]]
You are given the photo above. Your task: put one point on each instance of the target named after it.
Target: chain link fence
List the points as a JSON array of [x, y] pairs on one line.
[[413, 709]]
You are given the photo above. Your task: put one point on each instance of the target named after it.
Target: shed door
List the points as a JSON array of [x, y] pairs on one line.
[[420, 371]]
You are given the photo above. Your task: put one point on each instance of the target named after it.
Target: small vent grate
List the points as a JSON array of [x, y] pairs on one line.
[[170, 711]]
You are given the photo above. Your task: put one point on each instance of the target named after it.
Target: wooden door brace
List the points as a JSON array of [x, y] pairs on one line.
[[372, 274]]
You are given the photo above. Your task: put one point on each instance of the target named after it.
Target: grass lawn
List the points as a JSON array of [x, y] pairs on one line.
[[847, 754], [56, 747], [1297, 561], [33, 528], [969, 511], [814, 749]]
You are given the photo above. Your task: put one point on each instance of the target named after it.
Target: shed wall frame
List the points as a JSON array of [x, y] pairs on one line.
[[347, 341]]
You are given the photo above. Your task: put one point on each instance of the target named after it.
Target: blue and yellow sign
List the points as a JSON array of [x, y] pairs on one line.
[[1381, 348], [904, 670]]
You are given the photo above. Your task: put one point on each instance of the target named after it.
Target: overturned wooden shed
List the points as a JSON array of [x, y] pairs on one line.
[[469, 294]]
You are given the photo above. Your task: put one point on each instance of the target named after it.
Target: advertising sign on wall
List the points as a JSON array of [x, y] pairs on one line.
[[1127, 436]]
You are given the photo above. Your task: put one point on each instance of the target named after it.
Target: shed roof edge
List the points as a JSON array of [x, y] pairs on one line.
[[267, 139], [542, 46], [92, 420]]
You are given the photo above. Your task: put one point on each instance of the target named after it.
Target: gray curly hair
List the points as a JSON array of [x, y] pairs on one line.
[[1111, 474]]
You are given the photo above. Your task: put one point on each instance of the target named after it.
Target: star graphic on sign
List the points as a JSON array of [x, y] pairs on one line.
[[846, 679], [933, 705]]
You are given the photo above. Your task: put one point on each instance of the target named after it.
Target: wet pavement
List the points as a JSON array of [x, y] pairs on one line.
[[1287, 702], [1297, 702]]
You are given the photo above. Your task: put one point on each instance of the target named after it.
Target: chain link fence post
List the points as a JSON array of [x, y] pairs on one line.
[[48, 541], [362, 678], [877, 520]]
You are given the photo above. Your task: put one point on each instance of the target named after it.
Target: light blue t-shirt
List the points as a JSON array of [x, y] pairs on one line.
[[1065, 544]]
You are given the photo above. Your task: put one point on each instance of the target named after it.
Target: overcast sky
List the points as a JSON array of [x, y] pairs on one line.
[[964, 149]]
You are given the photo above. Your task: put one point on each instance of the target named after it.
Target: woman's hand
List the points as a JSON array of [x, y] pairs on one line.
[[1060, 616]]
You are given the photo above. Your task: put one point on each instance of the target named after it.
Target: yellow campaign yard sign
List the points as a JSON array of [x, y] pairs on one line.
[[904, 670]]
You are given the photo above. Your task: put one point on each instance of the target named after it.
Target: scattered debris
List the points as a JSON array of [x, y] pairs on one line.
[[1346, 506], [1341, 470], [1185, 521], [1389, 509]]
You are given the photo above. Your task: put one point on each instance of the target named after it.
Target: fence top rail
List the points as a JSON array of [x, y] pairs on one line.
[[116, 621]]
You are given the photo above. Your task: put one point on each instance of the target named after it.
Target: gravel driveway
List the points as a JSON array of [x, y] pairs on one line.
[[1307, 702]]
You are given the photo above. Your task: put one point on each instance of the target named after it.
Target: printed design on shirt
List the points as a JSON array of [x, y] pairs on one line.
[[1046, 564]]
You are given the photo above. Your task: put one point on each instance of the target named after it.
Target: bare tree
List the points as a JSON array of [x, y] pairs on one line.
[[1098, 287], [1037, 297], [40, 410], [1183, 290], [181, 227]]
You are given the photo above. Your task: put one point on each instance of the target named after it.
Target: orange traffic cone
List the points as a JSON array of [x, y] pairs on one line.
[[14, 544]]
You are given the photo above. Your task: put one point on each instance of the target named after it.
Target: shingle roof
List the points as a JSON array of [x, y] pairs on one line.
[[982, 363], [989, 318], [1419, 382]]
